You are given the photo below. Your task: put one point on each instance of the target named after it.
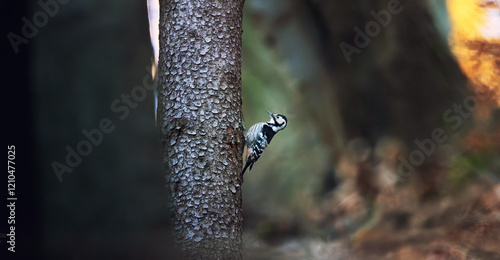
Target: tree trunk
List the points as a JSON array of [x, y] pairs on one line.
[[201, 124], [402, 81]]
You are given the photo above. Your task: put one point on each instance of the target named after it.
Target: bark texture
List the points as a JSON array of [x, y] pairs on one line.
[[201, 124]]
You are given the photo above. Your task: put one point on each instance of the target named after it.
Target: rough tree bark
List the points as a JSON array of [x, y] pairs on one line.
[[201, 124]]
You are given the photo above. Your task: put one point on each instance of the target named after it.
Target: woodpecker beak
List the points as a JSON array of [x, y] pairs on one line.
[[271, 114]]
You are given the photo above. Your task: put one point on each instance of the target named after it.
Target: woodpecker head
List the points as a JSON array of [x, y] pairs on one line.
[[278, 122]]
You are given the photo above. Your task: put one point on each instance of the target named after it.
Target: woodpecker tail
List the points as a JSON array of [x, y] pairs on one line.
[[246, 166], [246, 159]]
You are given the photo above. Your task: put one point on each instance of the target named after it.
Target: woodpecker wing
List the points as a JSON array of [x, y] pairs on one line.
[[255, 141]]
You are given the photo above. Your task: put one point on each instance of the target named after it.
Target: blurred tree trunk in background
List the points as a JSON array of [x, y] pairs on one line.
[[399, 82], [402, 80], [89, 60], [201, 124]]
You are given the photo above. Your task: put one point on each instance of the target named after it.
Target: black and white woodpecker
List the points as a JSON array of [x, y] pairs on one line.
[[259, 136]]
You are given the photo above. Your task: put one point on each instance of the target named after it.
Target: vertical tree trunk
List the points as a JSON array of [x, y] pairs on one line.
[[201, 123]]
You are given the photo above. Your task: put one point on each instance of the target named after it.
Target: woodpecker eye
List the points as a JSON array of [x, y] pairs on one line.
[[280, 120]]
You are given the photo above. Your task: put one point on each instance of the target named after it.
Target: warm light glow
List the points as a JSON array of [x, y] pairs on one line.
[[475, 39]]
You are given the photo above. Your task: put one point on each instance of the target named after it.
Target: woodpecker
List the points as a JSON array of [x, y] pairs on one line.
[[259, 136]]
